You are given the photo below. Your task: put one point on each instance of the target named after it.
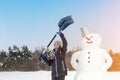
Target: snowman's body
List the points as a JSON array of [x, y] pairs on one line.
[[91, 60]]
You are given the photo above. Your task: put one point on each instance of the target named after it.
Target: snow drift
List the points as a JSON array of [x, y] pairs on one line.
[[46, 75]]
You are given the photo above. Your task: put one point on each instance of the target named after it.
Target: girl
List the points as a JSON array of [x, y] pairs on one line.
[[59, 69]]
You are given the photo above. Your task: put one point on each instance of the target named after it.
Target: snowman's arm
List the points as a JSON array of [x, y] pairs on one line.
[[108, 59], [74, 59]]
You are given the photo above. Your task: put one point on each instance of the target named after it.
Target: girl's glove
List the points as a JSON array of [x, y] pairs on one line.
[[44, 58], [41, 56], [59, 33]]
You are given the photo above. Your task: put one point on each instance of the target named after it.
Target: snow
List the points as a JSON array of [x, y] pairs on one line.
[[46, 75]]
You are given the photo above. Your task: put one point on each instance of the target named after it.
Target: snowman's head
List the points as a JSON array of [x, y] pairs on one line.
[[91, 40]]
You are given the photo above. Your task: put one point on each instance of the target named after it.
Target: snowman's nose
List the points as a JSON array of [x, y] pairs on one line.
[[87, 38]]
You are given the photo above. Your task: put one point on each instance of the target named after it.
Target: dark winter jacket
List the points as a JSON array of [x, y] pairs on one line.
[[59, 66]]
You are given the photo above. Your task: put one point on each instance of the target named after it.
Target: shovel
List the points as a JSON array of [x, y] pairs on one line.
[[63, 24]]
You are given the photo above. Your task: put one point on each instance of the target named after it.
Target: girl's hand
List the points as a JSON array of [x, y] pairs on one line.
[[59, 33]]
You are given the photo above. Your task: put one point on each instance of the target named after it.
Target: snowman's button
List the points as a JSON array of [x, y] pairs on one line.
[[88, 61], [88, 57], [88, 52]]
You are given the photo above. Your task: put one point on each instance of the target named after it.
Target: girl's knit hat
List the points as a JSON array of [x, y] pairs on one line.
[[58, 43]]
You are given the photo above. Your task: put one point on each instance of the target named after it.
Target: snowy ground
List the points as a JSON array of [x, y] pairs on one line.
[[46, 75]]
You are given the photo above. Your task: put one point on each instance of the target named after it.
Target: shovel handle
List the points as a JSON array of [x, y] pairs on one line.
[[52, 40]]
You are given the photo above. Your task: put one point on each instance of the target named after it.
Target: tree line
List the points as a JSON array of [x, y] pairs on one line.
[[20, 59], [23, 59]]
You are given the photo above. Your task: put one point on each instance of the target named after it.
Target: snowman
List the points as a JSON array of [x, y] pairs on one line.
[[91, 61]]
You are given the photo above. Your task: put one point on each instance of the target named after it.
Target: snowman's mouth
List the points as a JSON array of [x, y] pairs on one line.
[[89, 42]]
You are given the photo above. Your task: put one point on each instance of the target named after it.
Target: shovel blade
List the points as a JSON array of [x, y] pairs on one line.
[[65, 22]]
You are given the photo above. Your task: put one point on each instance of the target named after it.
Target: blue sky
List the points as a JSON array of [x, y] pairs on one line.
[[34, 22]]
